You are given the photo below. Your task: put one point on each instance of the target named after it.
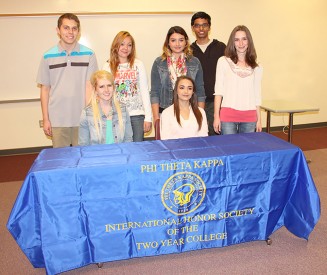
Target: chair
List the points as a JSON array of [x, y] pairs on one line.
[[157, 129]]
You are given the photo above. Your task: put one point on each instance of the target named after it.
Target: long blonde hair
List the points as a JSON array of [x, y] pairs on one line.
[[94, 102]]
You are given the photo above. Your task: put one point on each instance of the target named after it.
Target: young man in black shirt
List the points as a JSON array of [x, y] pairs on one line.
[[208, 51]]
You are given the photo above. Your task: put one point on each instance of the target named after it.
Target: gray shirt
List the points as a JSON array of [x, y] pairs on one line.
[[66, 75]]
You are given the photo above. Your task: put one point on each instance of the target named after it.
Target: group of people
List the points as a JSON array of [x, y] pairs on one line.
[[199, 89]]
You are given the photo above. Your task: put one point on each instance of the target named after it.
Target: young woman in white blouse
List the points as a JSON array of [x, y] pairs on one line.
[[183, 119], [238, 86]]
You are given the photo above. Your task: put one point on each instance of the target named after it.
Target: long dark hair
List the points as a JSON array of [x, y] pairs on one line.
[[250, 56], [193, 102]]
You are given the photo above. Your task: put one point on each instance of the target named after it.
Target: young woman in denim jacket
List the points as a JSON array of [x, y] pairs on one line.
[[176, 60], [104, 120]]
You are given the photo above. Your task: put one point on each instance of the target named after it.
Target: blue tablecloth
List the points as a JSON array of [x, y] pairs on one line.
[[83, 205]]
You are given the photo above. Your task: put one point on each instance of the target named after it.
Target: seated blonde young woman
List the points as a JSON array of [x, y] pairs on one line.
[[104, 120]]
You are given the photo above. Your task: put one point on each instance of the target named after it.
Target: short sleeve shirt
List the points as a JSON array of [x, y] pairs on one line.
[[66, 75]]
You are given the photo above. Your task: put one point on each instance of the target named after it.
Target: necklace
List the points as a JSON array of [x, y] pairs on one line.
[[106, 108], [109, 114]]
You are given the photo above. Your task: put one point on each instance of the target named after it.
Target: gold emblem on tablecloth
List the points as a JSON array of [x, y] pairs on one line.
[[183, 192]]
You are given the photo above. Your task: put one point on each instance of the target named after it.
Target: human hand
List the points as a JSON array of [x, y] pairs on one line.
[[258, 127], [147, 126], [47, 129], [217, 125]]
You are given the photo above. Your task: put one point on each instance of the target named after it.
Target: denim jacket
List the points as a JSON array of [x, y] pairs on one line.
[[161, 86], [87, 131]]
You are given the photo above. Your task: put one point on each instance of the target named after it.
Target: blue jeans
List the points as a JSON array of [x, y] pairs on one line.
[[228, 128], [137, 127]]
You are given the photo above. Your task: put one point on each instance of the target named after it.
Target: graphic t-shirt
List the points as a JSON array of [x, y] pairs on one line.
[[132, 88], [127, 88]]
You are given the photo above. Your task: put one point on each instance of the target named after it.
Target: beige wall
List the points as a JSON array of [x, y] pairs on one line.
[[289, 36]]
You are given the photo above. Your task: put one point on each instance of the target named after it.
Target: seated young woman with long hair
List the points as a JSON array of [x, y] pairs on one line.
[[183, 119], [104, 120]]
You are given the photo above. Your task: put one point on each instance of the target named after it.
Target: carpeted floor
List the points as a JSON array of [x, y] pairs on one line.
[[287, 254], [307, 139], [16, 167]]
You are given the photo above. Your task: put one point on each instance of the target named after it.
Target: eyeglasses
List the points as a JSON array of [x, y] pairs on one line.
[[198, 26]]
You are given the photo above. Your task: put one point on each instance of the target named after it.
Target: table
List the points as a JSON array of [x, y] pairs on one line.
[[83, 205], [290, 107]]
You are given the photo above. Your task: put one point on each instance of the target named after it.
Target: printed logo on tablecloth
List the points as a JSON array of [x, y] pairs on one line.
[[183, 193]]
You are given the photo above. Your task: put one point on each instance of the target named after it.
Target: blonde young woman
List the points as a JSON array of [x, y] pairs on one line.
[[131, 83], [104, 120]]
